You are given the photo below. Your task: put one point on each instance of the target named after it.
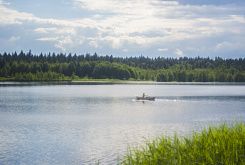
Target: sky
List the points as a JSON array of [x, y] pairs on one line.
[[153, 28]]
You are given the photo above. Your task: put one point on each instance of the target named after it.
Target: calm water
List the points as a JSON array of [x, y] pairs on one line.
[[84, 124]]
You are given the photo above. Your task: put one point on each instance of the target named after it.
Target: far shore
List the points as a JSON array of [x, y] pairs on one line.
[[110, 82]]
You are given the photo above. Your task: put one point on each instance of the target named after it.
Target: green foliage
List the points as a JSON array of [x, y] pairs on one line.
[[29, 67], [216, 145], [111, 70], [39, 76]]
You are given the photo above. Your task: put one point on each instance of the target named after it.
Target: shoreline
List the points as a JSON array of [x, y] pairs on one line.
[[110, 82]]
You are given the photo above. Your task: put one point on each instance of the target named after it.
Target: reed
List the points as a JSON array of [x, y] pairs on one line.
[[224, 145]]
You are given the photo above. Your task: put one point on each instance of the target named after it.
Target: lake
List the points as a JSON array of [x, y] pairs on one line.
[[87, 124]]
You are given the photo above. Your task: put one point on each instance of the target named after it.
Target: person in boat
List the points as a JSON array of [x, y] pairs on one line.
[[145, 97]]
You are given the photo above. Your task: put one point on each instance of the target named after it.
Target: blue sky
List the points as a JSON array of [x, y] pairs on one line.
[[165, 28]]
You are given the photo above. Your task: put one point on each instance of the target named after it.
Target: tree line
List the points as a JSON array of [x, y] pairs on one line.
[[45, 67]]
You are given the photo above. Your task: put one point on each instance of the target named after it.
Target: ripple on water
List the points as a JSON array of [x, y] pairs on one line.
[[87, 124]]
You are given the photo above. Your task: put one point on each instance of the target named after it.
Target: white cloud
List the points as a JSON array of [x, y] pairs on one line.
[[114, 6], [238, 18], [9, 16], [162, 49], [4, 3], [179, 53], [174, 21], [139, 25], [49, 39], [45, 30], [224, 46], [63, 42]]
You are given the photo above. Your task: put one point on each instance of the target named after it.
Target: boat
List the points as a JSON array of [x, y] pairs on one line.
[[145, 98]]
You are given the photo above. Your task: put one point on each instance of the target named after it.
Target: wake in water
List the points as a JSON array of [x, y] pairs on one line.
[[193, 98]]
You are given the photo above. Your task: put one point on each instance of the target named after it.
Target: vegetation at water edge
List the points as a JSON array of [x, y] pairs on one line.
[[224, 145]]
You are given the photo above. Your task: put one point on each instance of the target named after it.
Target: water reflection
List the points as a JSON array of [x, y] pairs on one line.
[[85, 124]]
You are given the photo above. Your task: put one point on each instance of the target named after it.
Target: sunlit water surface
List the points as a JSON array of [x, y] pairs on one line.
[[86, 124]]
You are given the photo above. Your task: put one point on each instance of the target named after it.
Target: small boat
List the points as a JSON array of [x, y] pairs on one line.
[[144, 98]]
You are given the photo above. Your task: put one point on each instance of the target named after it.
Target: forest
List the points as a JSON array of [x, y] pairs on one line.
[[27, 66]]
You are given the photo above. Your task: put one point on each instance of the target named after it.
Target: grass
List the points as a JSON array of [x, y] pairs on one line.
[[223, 145]]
